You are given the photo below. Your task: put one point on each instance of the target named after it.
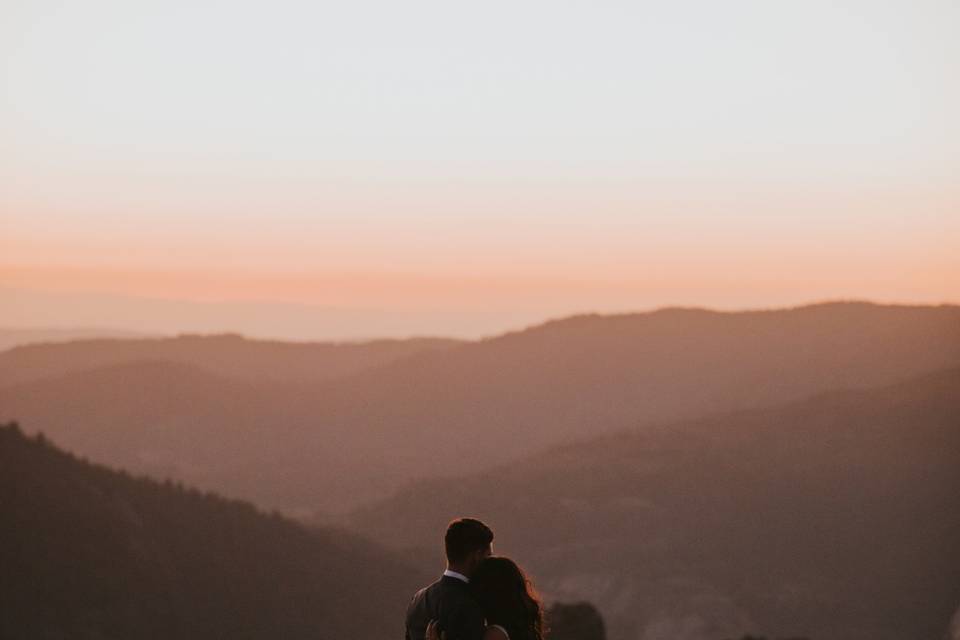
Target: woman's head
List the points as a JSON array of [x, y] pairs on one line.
[[508, 598]]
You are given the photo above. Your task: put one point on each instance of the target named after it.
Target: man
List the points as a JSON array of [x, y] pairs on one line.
[[468, 542]]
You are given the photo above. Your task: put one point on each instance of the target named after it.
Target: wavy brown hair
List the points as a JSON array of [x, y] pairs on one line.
[[508, 598]]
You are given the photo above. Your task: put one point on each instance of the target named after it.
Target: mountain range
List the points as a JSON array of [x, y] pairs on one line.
[[834, 518], [227, 354], [330, 428], [696, 474], [13, 337]]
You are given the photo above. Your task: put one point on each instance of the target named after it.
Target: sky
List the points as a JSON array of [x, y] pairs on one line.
[[351, 169]]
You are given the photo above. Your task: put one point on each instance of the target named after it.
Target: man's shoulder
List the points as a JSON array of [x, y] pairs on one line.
[[451, 602], [433, 586], [446, 589]]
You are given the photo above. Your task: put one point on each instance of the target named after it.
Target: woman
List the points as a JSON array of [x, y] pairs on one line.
[[509, 602]]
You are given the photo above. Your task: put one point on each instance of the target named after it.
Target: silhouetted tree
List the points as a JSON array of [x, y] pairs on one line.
[[575, 621]]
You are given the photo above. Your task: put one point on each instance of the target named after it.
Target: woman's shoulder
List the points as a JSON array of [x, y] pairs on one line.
[[496, 632]]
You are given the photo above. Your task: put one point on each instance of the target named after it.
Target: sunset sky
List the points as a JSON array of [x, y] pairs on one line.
[[331, 170]]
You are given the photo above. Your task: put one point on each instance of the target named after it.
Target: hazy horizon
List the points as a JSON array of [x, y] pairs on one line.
[[477, 169], [29, 312]]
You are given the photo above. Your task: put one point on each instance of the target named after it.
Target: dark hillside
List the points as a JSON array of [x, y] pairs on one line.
[[90, 553]]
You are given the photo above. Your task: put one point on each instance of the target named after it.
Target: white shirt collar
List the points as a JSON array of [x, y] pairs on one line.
[[458, 576]]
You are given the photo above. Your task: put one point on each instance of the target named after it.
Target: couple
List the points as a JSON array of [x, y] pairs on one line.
[[479, 597]]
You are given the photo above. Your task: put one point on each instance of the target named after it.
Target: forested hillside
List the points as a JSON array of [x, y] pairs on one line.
[[87, 553]]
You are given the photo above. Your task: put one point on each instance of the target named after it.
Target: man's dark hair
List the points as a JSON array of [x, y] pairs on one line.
[[464, 536]]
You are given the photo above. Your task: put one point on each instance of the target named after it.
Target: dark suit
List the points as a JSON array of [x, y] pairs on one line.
[[449, 601]]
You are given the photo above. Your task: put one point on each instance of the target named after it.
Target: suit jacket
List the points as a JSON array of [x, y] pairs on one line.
[[449, 601]]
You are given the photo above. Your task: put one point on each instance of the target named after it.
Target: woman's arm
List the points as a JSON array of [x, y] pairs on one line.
[[433, 631], [495, 632]]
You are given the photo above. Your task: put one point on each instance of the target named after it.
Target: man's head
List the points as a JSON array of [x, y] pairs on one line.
[[468, 542]]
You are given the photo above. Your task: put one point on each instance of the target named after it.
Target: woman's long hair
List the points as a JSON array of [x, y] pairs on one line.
[[508, 598]]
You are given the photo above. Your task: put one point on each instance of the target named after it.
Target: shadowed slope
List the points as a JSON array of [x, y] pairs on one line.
[[89, 553], [167, 419], [834, 518]]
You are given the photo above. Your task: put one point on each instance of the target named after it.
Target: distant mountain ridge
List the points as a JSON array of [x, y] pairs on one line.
[[833, 518], [89, 553], [467, 407], [25, 307], [226, 354], [12, 337]]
